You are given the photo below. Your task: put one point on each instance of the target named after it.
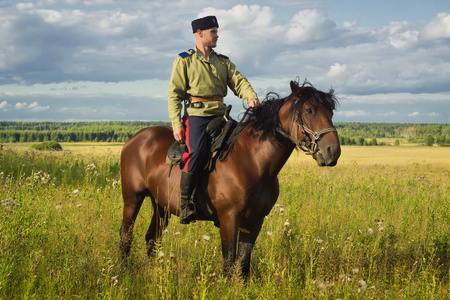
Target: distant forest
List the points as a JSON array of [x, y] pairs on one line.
[[26, 132], [364, 134]]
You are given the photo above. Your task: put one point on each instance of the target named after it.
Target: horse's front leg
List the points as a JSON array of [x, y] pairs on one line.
[[228, 235], [247, 238]]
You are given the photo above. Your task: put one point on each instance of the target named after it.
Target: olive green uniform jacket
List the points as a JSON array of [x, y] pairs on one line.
[[194, 75]]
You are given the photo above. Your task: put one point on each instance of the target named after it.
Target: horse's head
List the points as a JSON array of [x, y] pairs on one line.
[[310, 125]]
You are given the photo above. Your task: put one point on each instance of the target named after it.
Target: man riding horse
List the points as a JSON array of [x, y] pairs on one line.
[[201, 76]]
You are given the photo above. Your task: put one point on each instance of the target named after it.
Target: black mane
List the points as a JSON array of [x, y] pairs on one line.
[[264, 119]]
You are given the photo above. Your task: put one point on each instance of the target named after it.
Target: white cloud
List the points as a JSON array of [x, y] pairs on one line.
[[434, 114], [414, 114], [439, 27], [25, 6], [352, 113], [92, 44], [404, 39], [309, 25], [389, 114], [20, 105], [3, 104], [337, 70], [34, 106]]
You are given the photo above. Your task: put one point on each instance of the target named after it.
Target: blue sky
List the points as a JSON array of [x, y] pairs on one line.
[[90, 60]]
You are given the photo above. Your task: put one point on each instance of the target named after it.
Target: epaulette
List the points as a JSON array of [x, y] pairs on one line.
[[187, 53], [221, 55]]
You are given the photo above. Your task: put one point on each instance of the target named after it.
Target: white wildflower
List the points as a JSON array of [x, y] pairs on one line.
[[362, 286], [90, 167], [206, 238], [344, 278], [320, 285], [9, 202], [370, 231]]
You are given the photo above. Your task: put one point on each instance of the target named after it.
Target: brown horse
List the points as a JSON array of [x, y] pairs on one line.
[[244, 187]]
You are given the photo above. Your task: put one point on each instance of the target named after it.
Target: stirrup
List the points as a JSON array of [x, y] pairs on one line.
[[191, 214]]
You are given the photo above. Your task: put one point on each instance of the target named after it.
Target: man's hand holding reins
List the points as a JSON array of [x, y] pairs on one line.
[[254, 102]]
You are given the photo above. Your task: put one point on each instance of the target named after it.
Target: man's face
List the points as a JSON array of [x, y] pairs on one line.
[[210, 37]]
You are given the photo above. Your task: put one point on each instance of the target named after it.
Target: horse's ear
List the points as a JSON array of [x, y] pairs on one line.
[[294, 88]]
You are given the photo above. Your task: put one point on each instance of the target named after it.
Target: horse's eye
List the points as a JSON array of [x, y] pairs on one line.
[[309, 111]]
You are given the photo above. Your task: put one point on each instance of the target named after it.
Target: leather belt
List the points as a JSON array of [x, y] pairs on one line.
[[202, 99]]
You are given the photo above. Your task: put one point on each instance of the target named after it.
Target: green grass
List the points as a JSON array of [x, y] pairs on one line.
[[383, 219]]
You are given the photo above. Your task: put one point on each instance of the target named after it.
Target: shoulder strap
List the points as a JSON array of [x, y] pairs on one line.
[[221, 55], [186, 53]]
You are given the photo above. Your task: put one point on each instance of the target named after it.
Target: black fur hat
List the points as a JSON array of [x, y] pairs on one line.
[[204, 23]]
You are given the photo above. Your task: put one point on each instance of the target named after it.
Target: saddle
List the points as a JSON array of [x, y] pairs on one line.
[[219, 131]]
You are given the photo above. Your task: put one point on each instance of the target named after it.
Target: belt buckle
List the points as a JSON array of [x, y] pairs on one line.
[[196, 105]]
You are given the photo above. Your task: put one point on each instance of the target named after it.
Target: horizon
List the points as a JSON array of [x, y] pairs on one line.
[[155, 121]]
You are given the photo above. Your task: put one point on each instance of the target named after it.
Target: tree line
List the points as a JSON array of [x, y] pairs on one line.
[[29, 132], [364, 134]]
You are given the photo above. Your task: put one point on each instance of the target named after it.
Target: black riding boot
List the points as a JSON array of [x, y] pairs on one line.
[[187, 187]]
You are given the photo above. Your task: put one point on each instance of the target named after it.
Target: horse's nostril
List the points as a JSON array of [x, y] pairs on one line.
[[333, 153], [330, 152]]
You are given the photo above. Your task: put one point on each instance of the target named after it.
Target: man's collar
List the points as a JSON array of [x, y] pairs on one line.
[[198, 53]]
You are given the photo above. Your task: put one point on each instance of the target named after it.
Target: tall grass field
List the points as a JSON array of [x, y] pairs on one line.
[[376, 226]]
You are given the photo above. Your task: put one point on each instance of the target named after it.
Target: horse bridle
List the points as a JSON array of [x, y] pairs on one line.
[[310, 146]]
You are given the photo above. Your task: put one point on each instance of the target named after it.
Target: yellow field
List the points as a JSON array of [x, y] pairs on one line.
[[359, 155], [76, 148], [427, 156]]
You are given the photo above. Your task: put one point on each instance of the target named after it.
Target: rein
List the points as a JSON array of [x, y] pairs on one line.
[[310, 147]]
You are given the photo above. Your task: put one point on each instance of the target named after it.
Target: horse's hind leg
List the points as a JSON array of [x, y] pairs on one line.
[[132, 205], [160, 220]]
